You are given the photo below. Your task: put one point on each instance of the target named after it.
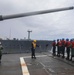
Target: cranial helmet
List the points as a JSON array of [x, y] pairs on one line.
[[57, 39], [71, 39], [67, 39], [34, 40], [62, 38]]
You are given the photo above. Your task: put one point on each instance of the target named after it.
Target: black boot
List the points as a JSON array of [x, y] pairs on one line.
[[34, 57]]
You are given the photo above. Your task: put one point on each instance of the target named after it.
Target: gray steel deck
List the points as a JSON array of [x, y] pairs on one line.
[[45, 64]]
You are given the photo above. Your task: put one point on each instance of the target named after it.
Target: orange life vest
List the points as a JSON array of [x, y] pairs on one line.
[[68, 43], [54, 44]]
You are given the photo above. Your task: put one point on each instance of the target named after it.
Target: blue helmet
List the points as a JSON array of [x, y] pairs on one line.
[[57, 39], [62, 38], [67, 39], [53, 40], [71, 39]]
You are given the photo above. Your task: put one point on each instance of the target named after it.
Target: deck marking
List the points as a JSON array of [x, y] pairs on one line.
[[51, 70], [36, 56], [44, 68], [24, 67]]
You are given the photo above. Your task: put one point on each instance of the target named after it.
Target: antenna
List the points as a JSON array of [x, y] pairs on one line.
[[10, 34]]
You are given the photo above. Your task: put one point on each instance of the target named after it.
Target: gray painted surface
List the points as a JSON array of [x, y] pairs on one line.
[[24, 46], [45, 64]]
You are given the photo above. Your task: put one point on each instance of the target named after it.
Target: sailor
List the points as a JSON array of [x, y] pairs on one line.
[[0, 51], [54, 47], [63, 47], [68, 45], [72, 49], [59, 47], [33, 47]]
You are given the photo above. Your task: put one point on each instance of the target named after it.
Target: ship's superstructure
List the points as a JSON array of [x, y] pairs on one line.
[[24, 46]]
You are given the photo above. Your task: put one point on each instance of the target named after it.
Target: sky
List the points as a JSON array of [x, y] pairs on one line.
[[49, 26]]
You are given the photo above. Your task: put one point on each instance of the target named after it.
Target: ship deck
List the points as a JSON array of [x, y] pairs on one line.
[[44, 64]]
